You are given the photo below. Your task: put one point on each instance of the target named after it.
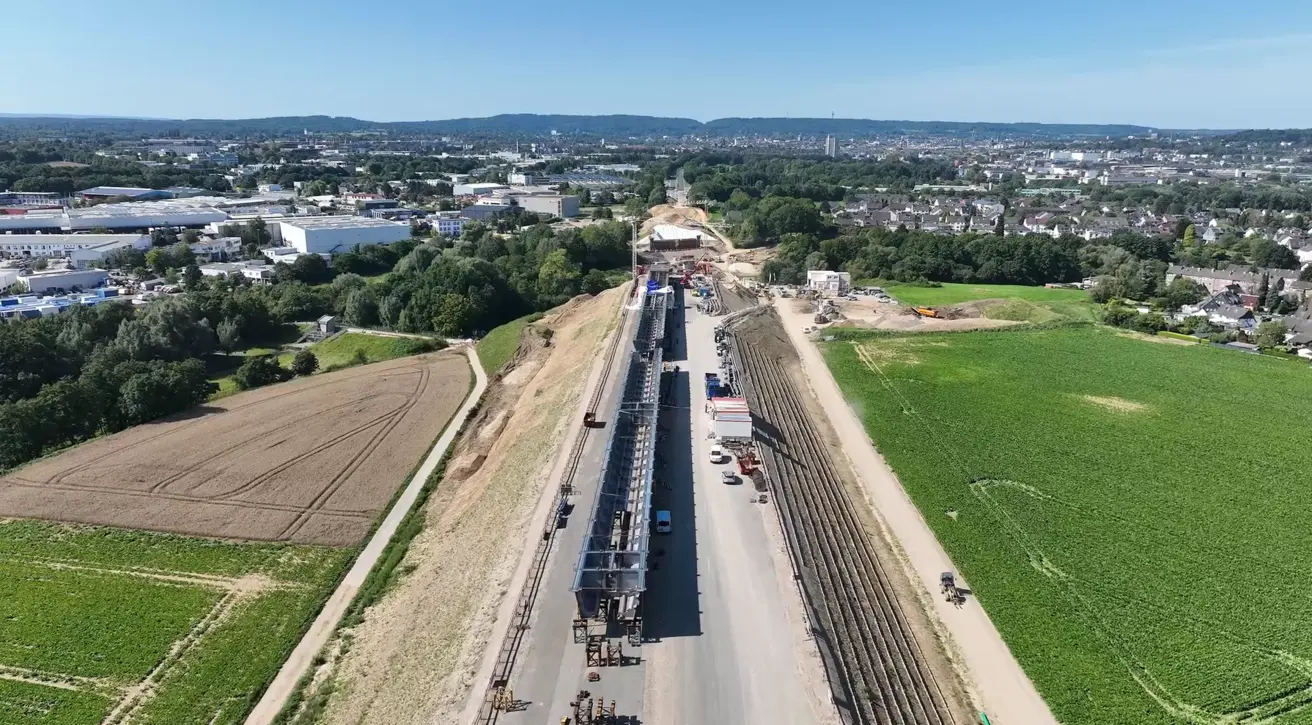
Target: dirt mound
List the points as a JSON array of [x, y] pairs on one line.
[[312, 461], [685, 216]]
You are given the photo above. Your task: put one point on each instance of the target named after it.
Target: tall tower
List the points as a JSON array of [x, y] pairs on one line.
[[831, 146]]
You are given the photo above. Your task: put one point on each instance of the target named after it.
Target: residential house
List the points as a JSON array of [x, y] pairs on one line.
[[1215, 280]]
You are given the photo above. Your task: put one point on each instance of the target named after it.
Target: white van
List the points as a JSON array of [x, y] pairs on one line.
[[717, 455], [662, 522]]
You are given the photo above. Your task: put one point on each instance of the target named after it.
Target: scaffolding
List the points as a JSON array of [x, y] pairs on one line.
[[611, 573]]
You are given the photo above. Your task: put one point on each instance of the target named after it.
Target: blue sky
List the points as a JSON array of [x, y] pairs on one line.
[[1166, 63]]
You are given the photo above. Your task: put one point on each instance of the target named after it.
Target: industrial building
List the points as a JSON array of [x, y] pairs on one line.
[[557, 205], [88, 247], [27, 306], [332, 234], [63, 280], [483, 212], [449, 227], [99, 193], [526, 178], [142, 216], [32, 198], [477, 189], [254, 271], [589, 180]]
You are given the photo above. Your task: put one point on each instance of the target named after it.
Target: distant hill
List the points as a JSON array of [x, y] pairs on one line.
[[857, 127], [530, 124], [1296, 136]]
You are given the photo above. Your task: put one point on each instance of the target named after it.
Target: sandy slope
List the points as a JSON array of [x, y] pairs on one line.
[[413, 660]]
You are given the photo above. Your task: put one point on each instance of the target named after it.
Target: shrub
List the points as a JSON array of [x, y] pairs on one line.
[[305, 363], [259, 371]]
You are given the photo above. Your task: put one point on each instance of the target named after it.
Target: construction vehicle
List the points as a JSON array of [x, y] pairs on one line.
[[948, 586], [925, 311], [747, 463], [712, 385]]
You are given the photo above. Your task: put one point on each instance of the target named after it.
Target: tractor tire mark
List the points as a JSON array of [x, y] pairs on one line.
[[357, 460]]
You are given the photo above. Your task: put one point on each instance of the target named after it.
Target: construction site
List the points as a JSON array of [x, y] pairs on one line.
[[703, 557]]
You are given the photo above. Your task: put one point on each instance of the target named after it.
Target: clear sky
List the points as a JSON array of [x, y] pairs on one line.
[[1166, 63]]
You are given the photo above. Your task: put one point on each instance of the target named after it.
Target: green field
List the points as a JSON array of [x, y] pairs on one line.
[[499, 345], [1132, 514], [341, 350], [335, 353], [89, 613]]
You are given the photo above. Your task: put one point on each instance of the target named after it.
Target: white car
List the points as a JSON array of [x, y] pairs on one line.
[[717, 455], [663, 522], [729, 477]]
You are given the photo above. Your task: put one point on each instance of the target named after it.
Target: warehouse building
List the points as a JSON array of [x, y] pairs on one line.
[[63, 280], [29, 306], [109, 192], [85, 246], [32, 198], [333, 234], [557, 205], [477, 189], [33, 222], [143, 216]]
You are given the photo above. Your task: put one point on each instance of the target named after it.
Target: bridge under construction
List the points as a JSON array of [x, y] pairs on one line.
[[611, 575]]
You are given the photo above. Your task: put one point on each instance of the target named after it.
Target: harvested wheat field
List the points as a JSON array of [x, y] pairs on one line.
[[310, 461], [412, 660]]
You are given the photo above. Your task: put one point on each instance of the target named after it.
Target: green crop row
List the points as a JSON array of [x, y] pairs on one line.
[[1128, 512], [29, 704], [112, 548], [220, 681], [91, 624], [94, 602]]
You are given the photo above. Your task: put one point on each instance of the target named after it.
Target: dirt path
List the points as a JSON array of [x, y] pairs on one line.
[[325, 624], [1008, 696]]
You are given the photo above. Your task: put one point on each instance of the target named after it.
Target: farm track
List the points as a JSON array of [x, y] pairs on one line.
[[878, 673]]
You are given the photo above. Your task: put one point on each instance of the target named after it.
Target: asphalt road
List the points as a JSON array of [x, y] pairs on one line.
[[722, 647], [724, 639]]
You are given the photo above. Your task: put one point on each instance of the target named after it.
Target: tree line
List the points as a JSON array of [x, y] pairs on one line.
[[1125, 266], [95, 370]]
